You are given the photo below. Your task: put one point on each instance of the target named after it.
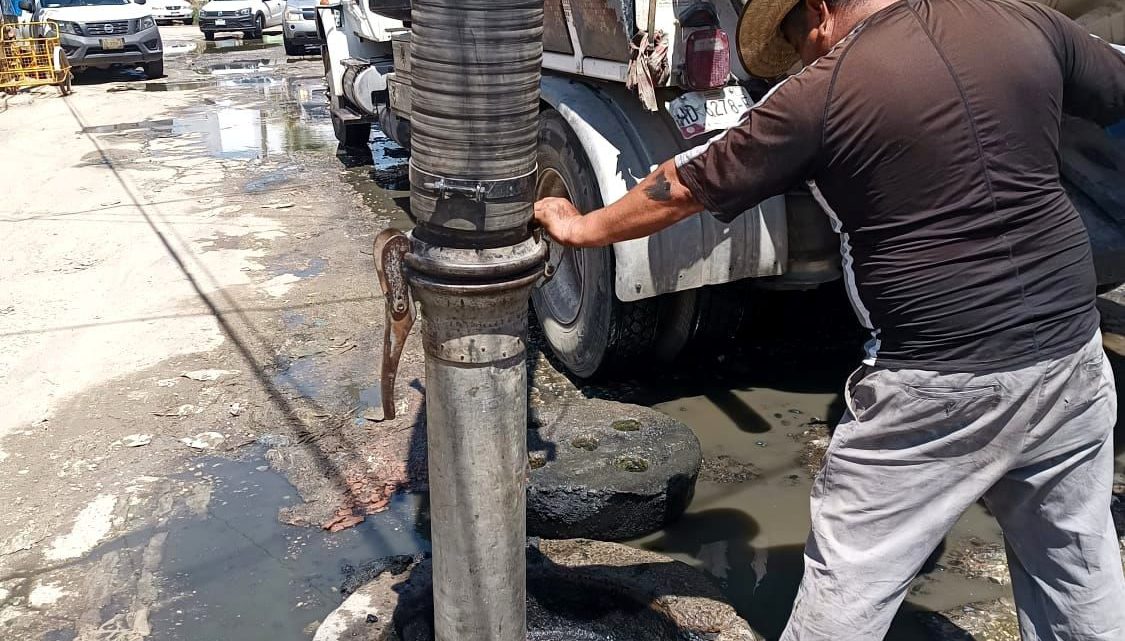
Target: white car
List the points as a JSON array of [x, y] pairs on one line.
[[169, 11], [251, 17]]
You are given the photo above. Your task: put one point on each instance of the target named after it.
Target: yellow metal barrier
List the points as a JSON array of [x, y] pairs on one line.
[[30, 56]]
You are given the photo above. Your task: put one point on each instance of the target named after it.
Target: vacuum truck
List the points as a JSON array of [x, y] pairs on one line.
[[626, 85]]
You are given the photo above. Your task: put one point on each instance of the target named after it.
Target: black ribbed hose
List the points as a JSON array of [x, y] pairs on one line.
[[475, 117]]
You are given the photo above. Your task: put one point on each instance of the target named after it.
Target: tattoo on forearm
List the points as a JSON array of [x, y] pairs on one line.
[[660, 190]]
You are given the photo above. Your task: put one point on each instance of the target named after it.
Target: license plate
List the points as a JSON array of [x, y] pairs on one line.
[[111, 44], [219, 23], [702, 111]]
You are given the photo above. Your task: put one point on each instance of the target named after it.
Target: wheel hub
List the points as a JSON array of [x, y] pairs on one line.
[[562, 294]]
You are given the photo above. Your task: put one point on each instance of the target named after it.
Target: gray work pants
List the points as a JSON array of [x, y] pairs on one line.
[[917, 448]]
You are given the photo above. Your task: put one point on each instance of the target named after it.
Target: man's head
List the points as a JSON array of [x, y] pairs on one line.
[[773, 34], [812, 27]]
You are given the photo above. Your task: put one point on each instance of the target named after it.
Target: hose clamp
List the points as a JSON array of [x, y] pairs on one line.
[[481, 191]]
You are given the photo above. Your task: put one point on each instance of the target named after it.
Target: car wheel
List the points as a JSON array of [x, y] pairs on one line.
[[356, 135], [154, 70], [188, 21], [209, 36], [585, 324], [290, 48], [259, 28]]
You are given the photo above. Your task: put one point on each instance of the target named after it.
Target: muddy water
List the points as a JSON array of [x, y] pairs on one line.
[[240, 574], [756, 406], [750, 535]]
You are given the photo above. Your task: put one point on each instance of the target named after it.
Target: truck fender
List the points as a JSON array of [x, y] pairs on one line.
[[693, 253]]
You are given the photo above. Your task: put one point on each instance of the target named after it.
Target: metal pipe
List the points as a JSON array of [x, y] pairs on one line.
[[475, 96]]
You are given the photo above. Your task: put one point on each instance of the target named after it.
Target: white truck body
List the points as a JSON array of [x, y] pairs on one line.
[[671, 284]]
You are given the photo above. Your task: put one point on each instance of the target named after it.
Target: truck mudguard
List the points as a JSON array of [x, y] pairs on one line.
[[624, 143]]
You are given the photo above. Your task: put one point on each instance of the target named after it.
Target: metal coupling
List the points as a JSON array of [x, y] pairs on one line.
[[475, 300], [481, 191]]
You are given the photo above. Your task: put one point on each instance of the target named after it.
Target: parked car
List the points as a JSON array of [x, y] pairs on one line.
[[104, 33], [251, 17], [169, 11], [299, 29]]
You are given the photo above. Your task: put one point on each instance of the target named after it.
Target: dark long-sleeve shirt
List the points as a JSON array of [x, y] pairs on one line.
[[930, 135]]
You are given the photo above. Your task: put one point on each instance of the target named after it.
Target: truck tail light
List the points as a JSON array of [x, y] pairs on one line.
[[707, 59]]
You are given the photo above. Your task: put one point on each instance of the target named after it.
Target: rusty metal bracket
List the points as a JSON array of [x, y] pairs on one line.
[[391, 247]]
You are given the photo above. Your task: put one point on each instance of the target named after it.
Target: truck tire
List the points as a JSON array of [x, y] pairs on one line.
[[155, 69], [209, 36], [585, 324], [356, 135], [291, 49]]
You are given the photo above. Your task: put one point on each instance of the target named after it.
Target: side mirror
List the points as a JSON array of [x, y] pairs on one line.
[[27, 5]]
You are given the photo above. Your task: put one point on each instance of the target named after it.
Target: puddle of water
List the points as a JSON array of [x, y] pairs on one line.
[[271, 180], [315, 268], [238, 133], [239, 573], [368, 398], [180, 85], [383, 181], [390, 162], [750, 535], [255, 65], [301, 377], [292, 320], [249, 81], [233, 44]]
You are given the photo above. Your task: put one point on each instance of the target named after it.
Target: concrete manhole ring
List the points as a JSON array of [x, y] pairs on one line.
[[608, 471], [578, 590]]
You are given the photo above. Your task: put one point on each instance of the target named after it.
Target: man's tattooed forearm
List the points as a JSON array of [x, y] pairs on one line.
[[660, 190]]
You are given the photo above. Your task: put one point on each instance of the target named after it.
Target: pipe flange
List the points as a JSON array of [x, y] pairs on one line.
[[475, 269], [482, 191]]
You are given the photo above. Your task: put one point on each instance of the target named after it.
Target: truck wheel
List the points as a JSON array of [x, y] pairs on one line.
[[585, 324], [290, 48], [209, 36], [351, 135], [154, 70]]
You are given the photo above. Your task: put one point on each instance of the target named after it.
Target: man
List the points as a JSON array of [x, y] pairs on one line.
[[929, 131]]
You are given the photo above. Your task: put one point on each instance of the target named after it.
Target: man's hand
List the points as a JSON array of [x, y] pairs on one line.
[[656, 202], [557, 216]]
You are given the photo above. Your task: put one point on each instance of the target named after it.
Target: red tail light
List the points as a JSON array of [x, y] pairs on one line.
[[707, 61]]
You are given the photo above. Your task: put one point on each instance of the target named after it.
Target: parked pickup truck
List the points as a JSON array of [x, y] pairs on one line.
[[104, 33], [251, 17], [655, 296]]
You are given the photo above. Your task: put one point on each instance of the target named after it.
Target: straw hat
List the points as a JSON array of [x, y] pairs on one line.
[[761, 48]]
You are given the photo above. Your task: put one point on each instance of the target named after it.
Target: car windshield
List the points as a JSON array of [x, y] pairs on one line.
[[56, 4]]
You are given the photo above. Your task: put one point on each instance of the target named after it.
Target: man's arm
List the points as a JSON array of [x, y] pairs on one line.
[[773, 148], [658, 201], [1093, 70]]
